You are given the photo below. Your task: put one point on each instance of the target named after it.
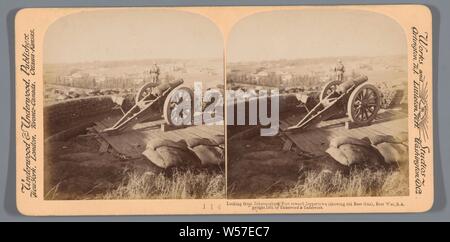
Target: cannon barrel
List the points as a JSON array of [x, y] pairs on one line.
[[343, 87]]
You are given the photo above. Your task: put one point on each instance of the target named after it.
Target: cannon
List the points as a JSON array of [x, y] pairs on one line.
[[151, 101], [356, 98]]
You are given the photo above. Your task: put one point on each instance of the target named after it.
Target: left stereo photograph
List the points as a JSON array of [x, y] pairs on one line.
[[224, 110]]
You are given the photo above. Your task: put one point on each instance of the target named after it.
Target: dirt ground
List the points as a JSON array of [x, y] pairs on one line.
[[259, 167], [75, 169]]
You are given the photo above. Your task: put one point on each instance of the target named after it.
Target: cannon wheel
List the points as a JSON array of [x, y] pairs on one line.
[[364, 104], [144, 91], [173, 100], [328, 89]]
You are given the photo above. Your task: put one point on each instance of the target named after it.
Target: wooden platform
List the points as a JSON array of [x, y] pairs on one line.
[[133, 142], [316, 140]]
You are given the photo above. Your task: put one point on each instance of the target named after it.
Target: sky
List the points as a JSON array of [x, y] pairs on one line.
[[294, 34], [109, 35]]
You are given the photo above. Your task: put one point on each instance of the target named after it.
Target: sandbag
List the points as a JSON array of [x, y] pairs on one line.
[[209, 155], [219, 139], [162, 161], [193, 142], [167, 153], [377, 139], [337, 154], [402, 137], [340, 140], [208, 151], [393, 153], [156, 143], [392, 148], [156, 158], [359, 154], [349, 154]]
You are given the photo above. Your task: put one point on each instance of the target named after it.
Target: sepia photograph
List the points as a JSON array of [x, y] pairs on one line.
[[113, 83], [340, 78], [224, 110]]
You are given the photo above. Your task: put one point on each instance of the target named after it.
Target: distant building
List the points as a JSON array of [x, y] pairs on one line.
[[286, 77], [78, 75], [100, 79], [137, 81], [262, 74]]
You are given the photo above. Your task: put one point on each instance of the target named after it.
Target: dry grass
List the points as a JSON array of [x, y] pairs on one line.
[[360, 183], [179, 185]]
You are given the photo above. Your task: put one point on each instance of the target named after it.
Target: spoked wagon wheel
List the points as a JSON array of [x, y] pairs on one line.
[[329, 88], [178, 107], [144, 91], [364, 104]]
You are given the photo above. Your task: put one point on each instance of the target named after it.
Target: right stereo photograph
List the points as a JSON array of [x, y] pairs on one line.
[[317, 105]]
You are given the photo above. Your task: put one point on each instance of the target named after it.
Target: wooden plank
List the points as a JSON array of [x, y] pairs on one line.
[[185, 135], [200, 132], [149, 136], [168, 135], [218, 129], [377, 131], [103, 145], [335, 132], [120, 144], [401, 124], [313, 140], [137, 141], [99, 127], [302, 140], [190, 131], [332, 122], [324, 138], [208, 130], [373, 131], [133, 142], [109, 121], [294, 119], [284, 124], [388, 128], [180, 134], [148, 125], [298, 142], [287, 145]]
